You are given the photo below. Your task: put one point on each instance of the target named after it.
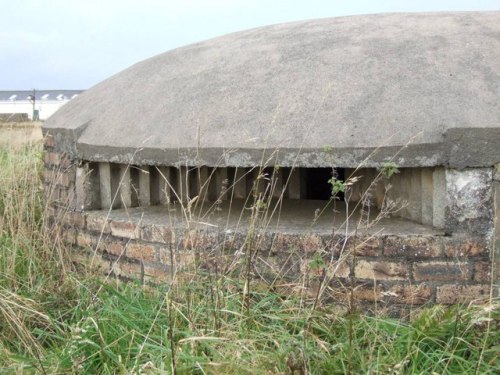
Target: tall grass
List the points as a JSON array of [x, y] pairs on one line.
[[54, 320]]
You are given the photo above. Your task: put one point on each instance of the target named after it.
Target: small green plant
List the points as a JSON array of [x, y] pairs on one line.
[[338, 186], [389, 169]]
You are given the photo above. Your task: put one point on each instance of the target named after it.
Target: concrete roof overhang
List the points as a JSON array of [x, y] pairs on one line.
[[421, 89]]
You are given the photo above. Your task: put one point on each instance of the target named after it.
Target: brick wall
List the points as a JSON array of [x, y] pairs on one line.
[[388, 270]]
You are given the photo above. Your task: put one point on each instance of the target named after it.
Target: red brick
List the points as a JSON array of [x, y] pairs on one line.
[[337, 244], [49, 176], [464, 247], [371, 293], [367, 246], [441, 271], [124, 229], [64, 178], [75, 219], [157, 233], [95, 263], [68, 236], [98, 223], [201, 240], [340, 269], [451, 294], [182, 258], [126, 269], [140, 251], [380, 270], [482, 271], [410, 294], [337, 269], [52, 159], [156, 273], [311, 243], [64, 161], [85, 240], [115, 248], [412, 246], [283, 242], [48, 141]]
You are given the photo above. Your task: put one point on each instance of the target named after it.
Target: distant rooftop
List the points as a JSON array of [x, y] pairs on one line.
[[22, 95]]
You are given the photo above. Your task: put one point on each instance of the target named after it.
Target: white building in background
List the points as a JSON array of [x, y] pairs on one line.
[[45, 104]]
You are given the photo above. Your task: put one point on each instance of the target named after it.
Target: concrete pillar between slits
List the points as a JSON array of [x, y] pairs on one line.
[[415, 197], [105, 185], [438, 197], [203, 183], [144, 187], [220, 185], [294, 182], [87, 188], [125, 186], [240, 183], [193, 182], [182, 184], [277, 183], [166, 184], [427, 196], [260, 178]]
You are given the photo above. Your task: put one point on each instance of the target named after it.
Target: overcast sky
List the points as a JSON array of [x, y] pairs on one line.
[[74, 44]]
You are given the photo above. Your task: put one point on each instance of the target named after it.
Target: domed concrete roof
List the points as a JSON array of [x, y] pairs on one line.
[[423, 86]]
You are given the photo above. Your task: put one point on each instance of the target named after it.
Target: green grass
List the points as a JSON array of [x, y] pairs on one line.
[[54, 320]]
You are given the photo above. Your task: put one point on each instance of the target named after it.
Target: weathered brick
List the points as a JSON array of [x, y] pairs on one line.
[[284, 242], [412, 246], [482, 272], [232, 242], [410, 294], [64, 161], [129, 270], [200, 240], [380, 270], [181, 258], [66, 178], [311, 243], [49, 176], [338, 245], [75, 219], [68, 236], [84, 239], [156, 273], [158, 233], [336, 269], [370, 246], [441, 271], [372, 293], [141, 251], [367, 246], [464, 247], [124, 229], [98, 223], [340, 269], [52, 159], [114, 248], [451, 294], [48, 141], [89, 261]]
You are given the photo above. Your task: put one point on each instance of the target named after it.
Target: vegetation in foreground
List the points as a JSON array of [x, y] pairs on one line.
[[55, 321]]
